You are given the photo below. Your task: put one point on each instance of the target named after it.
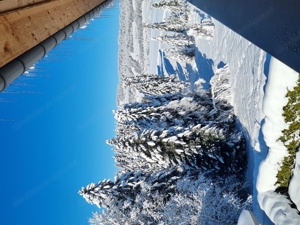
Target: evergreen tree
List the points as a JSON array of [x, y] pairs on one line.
[[161, 112], [172, 26], [172, 196], [181, 54], [220, 88], [177, 40], [204, 30], [167, 4], [177, 24], [156, 85], [132, 191], [179, 129], [178, 8]]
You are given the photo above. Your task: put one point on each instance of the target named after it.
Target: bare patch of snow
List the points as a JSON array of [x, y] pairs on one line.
[[247, 218], [294, 187]]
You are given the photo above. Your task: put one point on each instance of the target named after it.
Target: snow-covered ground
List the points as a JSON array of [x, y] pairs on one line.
[[258, 86], [247, 218], [294, 188]]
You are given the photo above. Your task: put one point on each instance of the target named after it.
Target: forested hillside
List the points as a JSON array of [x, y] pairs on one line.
[[181, 155]]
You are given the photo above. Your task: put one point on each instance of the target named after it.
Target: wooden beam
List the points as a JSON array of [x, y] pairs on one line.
[[24, 28]]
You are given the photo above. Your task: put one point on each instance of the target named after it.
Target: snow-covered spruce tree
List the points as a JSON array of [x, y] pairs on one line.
[[172, 196], [181, 54], [175, 7], [220, 88], [186, 129], [156, 85], [178, 8], [134, 194], [130, 160], [163, 111], [169, 4], [206, 201], [204, 30], [178, 40], [206, 148], [172, 26]]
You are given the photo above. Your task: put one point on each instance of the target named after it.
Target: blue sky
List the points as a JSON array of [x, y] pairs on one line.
[[54, 123]]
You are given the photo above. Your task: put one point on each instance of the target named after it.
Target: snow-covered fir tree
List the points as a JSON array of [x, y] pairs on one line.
[[129, 192], [220, 87], [181, 54], [184, 50], [151, 84], [178, 40], [170, 5], [162, 111], [179, 21], [204, 31], [206, 201], [177, 8], [178, 24], [171, 26], [200, 148], [176, 129], [170, 196]]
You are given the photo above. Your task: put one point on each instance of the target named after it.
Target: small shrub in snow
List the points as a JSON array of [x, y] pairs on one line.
[[290, 137]]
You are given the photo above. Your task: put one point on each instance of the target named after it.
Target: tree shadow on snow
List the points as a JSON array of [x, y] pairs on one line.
[[180, 72], [160, 67], [254, 159], [160, 70], [168, 66], [266, 69], [221, 64], [205, 68], [193, 76]]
